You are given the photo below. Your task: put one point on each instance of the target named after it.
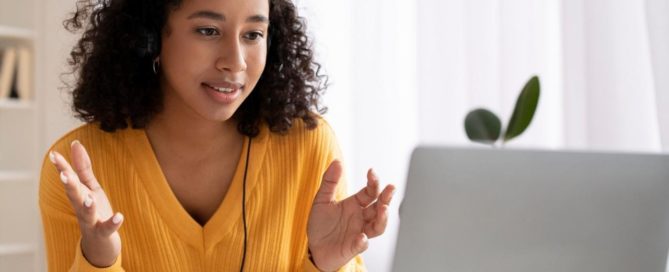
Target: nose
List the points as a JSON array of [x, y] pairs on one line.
[[232, 57]]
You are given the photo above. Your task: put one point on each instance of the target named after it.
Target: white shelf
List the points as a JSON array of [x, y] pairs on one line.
[[16, 104], [16, 249], [7, 32], [14, 176]]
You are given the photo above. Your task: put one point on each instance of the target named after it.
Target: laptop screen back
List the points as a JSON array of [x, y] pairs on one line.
[[519, 210]]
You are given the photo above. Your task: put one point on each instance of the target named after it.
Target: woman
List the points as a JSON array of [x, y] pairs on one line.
[[205, 151]]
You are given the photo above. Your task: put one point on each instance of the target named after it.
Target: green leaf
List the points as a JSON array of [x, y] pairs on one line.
[[526, 105], [483, 126]]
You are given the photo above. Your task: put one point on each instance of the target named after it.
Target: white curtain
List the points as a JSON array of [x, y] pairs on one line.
[[607, 44], [407, 72], [657, 12], [593, 58], [479, 53]]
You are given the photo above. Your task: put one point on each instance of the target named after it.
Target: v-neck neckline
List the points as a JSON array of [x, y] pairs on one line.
[[172, 211]]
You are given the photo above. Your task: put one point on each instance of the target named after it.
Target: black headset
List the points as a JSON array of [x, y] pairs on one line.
[[246, 168], [149, 45]]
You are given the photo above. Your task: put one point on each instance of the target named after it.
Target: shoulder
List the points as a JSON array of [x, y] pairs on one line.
[[300, 134], [90, 135], [98, 143]]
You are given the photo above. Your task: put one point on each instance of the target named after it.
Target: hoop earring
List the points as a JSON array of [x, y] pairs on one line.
[[156, 64]]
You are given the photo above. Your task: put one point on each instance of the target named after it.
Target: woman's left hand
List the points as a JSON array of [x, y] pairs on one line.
[[338, 230]]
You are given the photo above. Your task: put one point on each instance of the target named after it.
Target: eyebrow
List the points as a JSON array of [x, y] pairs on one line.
[[258, 19], [207, 14]]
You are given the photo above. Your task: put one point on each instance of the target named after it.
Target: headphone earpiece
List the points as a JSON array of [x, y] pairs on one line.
[[270, 36], [152, 43], [148, 44]]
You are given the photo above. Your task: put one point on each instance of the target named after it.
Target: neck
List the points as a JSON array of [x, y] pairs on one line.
[[198, 135], [191, 137]]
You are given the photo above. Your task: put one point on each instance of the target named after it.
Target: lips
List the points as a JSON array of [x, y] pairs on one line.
[[223, 92], [224, 86]]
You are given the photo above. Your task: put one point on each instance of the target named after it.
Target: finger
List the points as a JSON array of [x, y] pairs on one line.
[[73, 188], [387, 194], [80, 198], [88, 211], [326, 193], [378, 225], [111, 225], [360, 244], [60, 164], [81, 163], [369, 213], [368, 195]]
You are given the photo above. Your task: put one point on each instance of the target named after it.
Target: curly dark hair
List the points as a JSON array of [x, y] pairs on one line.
[[116, 86]]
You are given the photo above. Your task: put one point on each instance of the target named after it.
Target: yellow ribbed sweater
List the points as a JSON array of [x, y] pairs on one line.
[[158, 234]]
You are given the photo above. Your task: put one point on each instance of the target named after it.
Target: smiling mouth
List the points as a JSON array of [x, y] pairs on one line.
[[221, 89]]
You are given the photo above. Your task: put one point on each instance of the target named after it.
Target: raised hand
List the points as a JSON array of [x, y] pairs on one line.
[[338, 231], [100, 241]]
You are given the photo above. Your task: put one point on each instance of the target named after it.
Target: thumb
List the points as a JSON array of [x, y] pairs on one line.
[[326, 193], [360, 244]]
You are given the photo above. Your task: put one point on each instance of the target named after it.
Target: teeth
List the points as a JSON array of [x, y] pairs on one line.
[[223, 90]]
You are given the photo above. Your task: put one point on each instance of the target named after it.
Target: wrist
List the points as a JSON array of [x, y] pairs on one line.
[[99, 253], [313, 261]]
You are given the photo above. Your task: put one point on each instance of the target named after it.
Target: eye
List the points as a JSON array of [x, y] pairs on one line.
[[207, 31], [254, 36]]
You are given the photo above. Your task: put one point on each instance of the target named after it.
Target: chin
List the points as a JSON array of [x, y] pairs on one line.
[[216, 112], [220, 116]]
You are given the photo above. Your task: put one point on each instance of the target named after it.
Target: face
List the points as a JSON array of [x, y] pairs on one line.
[[213, 53]]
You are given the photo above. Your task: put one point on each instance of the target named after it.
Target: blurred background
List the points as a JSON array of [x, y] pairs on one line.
[[402, 73]]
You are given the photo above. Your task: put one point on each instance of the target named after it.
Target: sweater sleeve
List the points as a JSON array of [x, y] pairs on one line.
[[61, 230], [354, 265]]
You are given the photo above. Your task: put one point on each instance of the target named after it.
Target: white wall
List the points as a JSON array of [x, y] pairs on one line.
[[54, 44]]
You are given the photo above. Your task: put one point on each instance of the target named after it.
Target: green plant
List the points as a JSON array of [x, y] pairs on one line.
[[484, 127]]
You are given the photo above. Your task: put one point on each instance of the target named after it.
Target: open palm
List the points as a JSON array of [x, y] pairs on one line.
[[100, 241], [338, 230]]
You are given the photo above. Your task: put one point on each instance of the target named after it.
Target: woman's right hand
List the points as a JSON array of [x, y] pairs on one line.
[[100, 241]]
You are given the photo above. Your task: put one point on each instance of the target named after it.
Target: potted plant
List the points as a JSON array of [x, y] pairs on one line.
[[483, 126]]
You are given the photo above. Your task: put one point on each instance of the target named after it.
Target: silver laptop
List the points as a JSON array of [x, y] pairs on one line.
[[518, 210]]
